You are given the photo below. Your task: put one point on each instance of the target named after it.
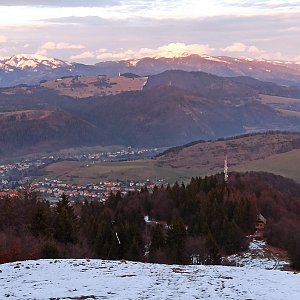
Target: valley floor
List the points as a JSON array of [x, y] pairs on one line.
[[99, 279]]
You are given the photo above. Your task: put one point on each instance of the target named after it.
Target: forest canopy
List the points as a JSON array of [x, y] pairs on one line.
[[206, 219]]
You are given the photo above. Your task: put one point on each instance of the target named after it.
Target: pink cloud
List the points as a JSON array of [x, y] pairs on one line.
[[169, 50], [3, 39]]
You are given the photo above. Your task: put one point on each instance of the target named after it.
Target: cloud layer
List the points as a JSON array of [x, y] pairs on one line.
[[61, 3], [43, 50], [170, 50], [94, 30], [240, 47]]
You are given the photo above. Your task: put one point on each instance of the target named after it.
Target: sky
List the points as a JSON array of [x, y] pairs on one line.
[[91, 31]]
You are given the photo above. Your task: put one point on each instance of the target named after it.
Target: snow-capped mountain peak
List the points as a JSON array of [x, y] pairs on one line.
[[30, 61]]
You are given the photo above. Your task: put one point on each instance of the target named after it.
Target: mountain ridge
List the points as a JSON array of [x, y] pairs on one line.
[[281, 72], [30, 61]]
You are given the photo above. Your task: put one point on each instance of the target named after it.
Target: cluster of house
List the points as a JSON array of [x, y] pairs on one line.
[[5, 168], [52, 189], [16, 174], [119, 155]]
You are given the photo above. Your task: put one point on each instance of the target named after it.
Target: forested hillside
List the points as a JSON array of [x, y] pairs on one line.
[[207, 218], [30, 131], [173, 108]]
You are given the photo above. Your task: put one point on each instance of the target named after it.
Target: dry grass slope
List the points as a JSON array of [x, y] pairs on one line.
[[277, 153], [289, 107], [88, 86]]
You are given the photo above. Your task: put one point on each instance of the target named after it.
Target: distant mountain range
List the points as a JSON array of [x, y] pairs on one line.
[[31, 69], [171, 108]]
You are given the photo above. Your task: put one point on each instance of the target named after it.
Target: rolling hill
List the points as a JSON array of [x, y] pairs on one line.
[[220, 88], [173, 108], [30, 131], [273, 152]]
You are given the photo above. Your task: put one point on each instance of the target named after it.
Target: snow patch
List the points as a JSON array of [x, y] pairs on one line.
[[214, 58], [133, 62], [258, 256], [257, 245]]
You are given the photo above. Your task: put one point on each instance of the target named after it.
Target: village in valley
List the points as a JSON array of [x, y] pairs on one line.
[[52, 189], [15, 176]]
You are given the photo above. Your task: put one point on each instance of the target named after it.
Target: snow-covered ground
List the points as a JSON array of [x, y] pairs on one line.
[[98, 279], [259, 256]]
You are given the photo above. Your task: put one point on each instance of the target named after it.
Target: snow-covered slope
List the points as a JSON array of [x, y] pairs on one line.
[[27, 61], [259, 255], [31, 69], [98, 279]]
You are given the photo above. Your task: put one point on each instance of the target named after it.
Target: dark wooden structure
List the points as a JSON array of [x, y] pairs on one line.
[[261, 222]]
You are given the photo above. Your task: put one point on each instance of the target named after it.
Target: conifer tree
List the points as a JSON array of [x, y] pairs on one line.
[[65, 224], [41, 221], [157, 238], [176, 237]]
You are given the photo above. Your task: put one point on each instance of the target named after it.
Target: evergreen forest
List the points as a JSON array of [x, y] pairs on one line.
[[205, 220]]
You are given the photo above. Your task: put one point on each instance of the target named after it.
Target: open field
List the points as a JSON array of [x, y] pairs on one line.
[[289, 113], [289, 107], [267, 99], [88, 86], [277, 153], [77, 172], [285, 164]]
